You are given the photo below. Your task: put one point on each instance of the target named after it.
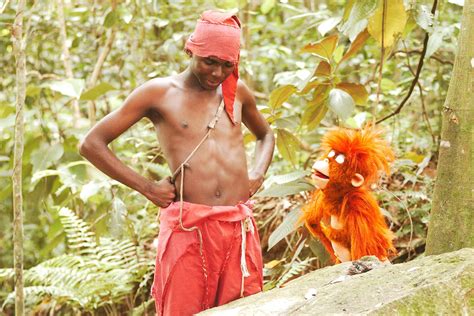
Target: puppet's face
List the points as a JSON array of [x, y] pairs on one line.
[[332, 168]]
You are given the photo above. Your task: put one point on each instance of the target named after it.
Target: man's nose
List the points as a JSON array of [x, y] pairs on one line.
[[217, 71]]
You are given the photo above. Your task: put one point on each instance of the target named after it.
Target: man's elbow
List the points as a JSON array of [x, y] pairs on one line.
[[86, 147], [82, 147]]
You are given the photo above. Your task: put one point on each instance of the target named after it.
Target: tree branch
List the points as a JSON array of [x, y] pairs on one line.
[[19, 52], [418, 71], [66, 57]]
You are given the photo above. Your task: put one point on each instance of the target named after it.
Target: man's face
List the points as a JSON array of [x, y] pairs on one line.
[[211, 71]]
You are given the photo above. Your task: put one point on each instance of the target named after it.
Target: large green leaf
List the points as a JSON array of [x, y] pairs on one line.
[[45, 156], [267, 6], [328, 25], [290, 188], [357, 21], [394, 19], [68, 87], [323, 48], [341, 103], [289, 177], [89, 190], [280, 95], [288, 145], [97, 91], [290, 224]]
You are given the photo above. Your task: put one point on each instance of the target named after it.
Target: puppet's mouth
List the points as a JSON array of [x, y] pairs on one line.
[[321, 175]]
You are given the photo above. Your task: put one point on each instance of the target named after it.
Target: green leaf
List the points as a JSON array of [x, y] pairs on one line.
[[67, 87], [338, 54], [298, 78], [290, 177], [357, 44], [267, 6], [424, 18], [387, 85], [288, 145], [97, 91], [328, 25], [280, 95], [323, 48], [45, 156], [341, 103], [357, 21], [290, 188], [357, 91], [33, 90], [394, 20], [289, 225], [7, 122], [314, 114], [89, 190], [117, 217], [435, 41], [126, 15], [111, 18], [457, 2]]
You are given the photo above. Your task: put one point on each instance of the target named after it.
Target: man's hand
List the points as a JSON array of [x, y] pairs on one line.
[[161, 193], [255, 182]]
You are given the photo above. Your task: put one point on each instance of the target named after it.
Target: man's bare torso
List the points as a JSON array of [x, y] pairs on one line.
[[217, 173]]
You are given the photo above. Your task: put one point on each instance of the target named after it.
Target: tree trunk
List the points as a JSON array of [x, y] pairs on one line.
[[451, 224], [19, 44]]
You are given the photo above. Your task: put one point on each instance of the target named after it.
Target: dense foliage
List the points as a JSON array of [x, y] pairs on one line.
[[89, 242]]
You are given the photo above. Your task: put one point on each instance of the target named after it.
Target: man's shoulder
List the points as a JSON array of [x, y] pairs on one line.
[[158, 85], [244, 94]]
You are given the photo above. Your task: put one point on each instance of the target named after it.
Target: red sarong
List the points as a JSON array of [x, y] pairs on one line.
[[192, 275]]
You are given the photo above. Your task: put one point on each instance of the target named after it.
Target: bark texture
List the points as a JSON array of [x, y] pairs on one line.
[[451, 224]]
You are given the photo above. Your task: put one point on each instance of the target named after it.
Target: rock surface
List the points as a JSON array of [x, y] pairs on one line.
[[441, 284]]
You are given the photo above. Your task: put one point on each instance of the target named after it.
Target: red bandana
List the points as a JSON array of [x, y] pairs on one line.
[[218, 34]]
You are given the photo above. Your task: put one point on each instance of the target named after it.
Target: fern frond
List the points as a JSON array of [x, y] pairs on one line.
[[295, 269], [78, 232]]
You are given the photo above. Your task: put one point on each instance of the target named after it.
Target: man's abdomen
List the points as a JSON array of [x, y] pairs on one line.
[[217, 174]]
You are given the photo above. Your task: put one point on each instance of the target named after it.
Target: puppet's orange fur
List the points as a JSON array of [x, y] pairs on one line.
[[364, 230]]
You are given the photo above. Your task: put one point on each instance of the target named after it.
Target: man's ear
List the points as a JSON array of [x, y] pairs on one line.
[[188, 52], [357, 180]]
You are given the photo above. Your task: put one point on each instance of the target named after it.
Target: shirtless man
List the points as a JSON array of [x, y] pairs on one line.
[[208, 249]]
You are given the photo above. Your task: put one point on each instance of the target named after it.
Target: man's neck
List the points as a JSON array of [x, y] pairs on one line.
[[190, 81]]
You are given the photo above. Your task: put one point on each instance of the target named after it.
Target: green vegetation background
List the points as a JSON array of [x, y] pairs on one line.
[[90, 241]]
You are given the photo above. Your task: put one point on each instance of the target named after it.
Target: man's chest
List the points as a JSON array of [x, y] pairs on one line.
[[192, 116]]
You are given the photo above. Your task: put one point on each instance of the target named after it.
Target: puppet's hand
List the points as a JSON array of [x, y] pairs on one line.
[[255, 182]]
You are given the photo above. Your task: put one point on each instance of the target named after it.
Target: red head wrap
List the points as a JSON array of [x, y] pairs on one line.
[[218, 34]]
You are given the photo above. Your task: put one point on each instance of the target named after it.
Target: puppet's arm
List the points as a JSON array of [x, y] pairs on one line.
[[313, 216]]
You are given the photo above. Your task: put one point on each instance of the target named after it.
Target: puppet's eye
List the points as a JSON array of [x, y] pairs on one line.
[[331, 154], [340, 159]]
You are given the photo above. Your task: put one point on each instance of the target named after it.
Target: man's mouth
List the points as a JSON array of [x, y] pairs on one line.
[[212, 83]]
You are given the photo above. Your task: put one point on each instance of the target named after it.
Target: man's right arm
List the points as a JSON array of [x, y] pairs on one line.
[[94, 146]]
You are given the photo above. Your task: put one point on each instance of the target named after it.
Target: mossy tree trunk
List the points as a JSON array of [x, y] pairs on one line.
[[451, 224]]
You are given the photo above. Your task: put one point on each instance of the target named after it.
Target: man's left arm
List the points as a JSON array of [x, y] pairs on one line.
[[259, 127]]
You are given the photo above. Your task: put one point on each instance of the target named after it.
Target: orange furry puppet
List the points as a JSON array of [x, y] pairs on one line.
[[343, 214]]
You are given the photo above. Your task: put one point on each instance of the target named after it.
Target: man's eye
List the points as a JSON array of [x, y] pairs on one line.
[[229, 65], [208, 61]]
